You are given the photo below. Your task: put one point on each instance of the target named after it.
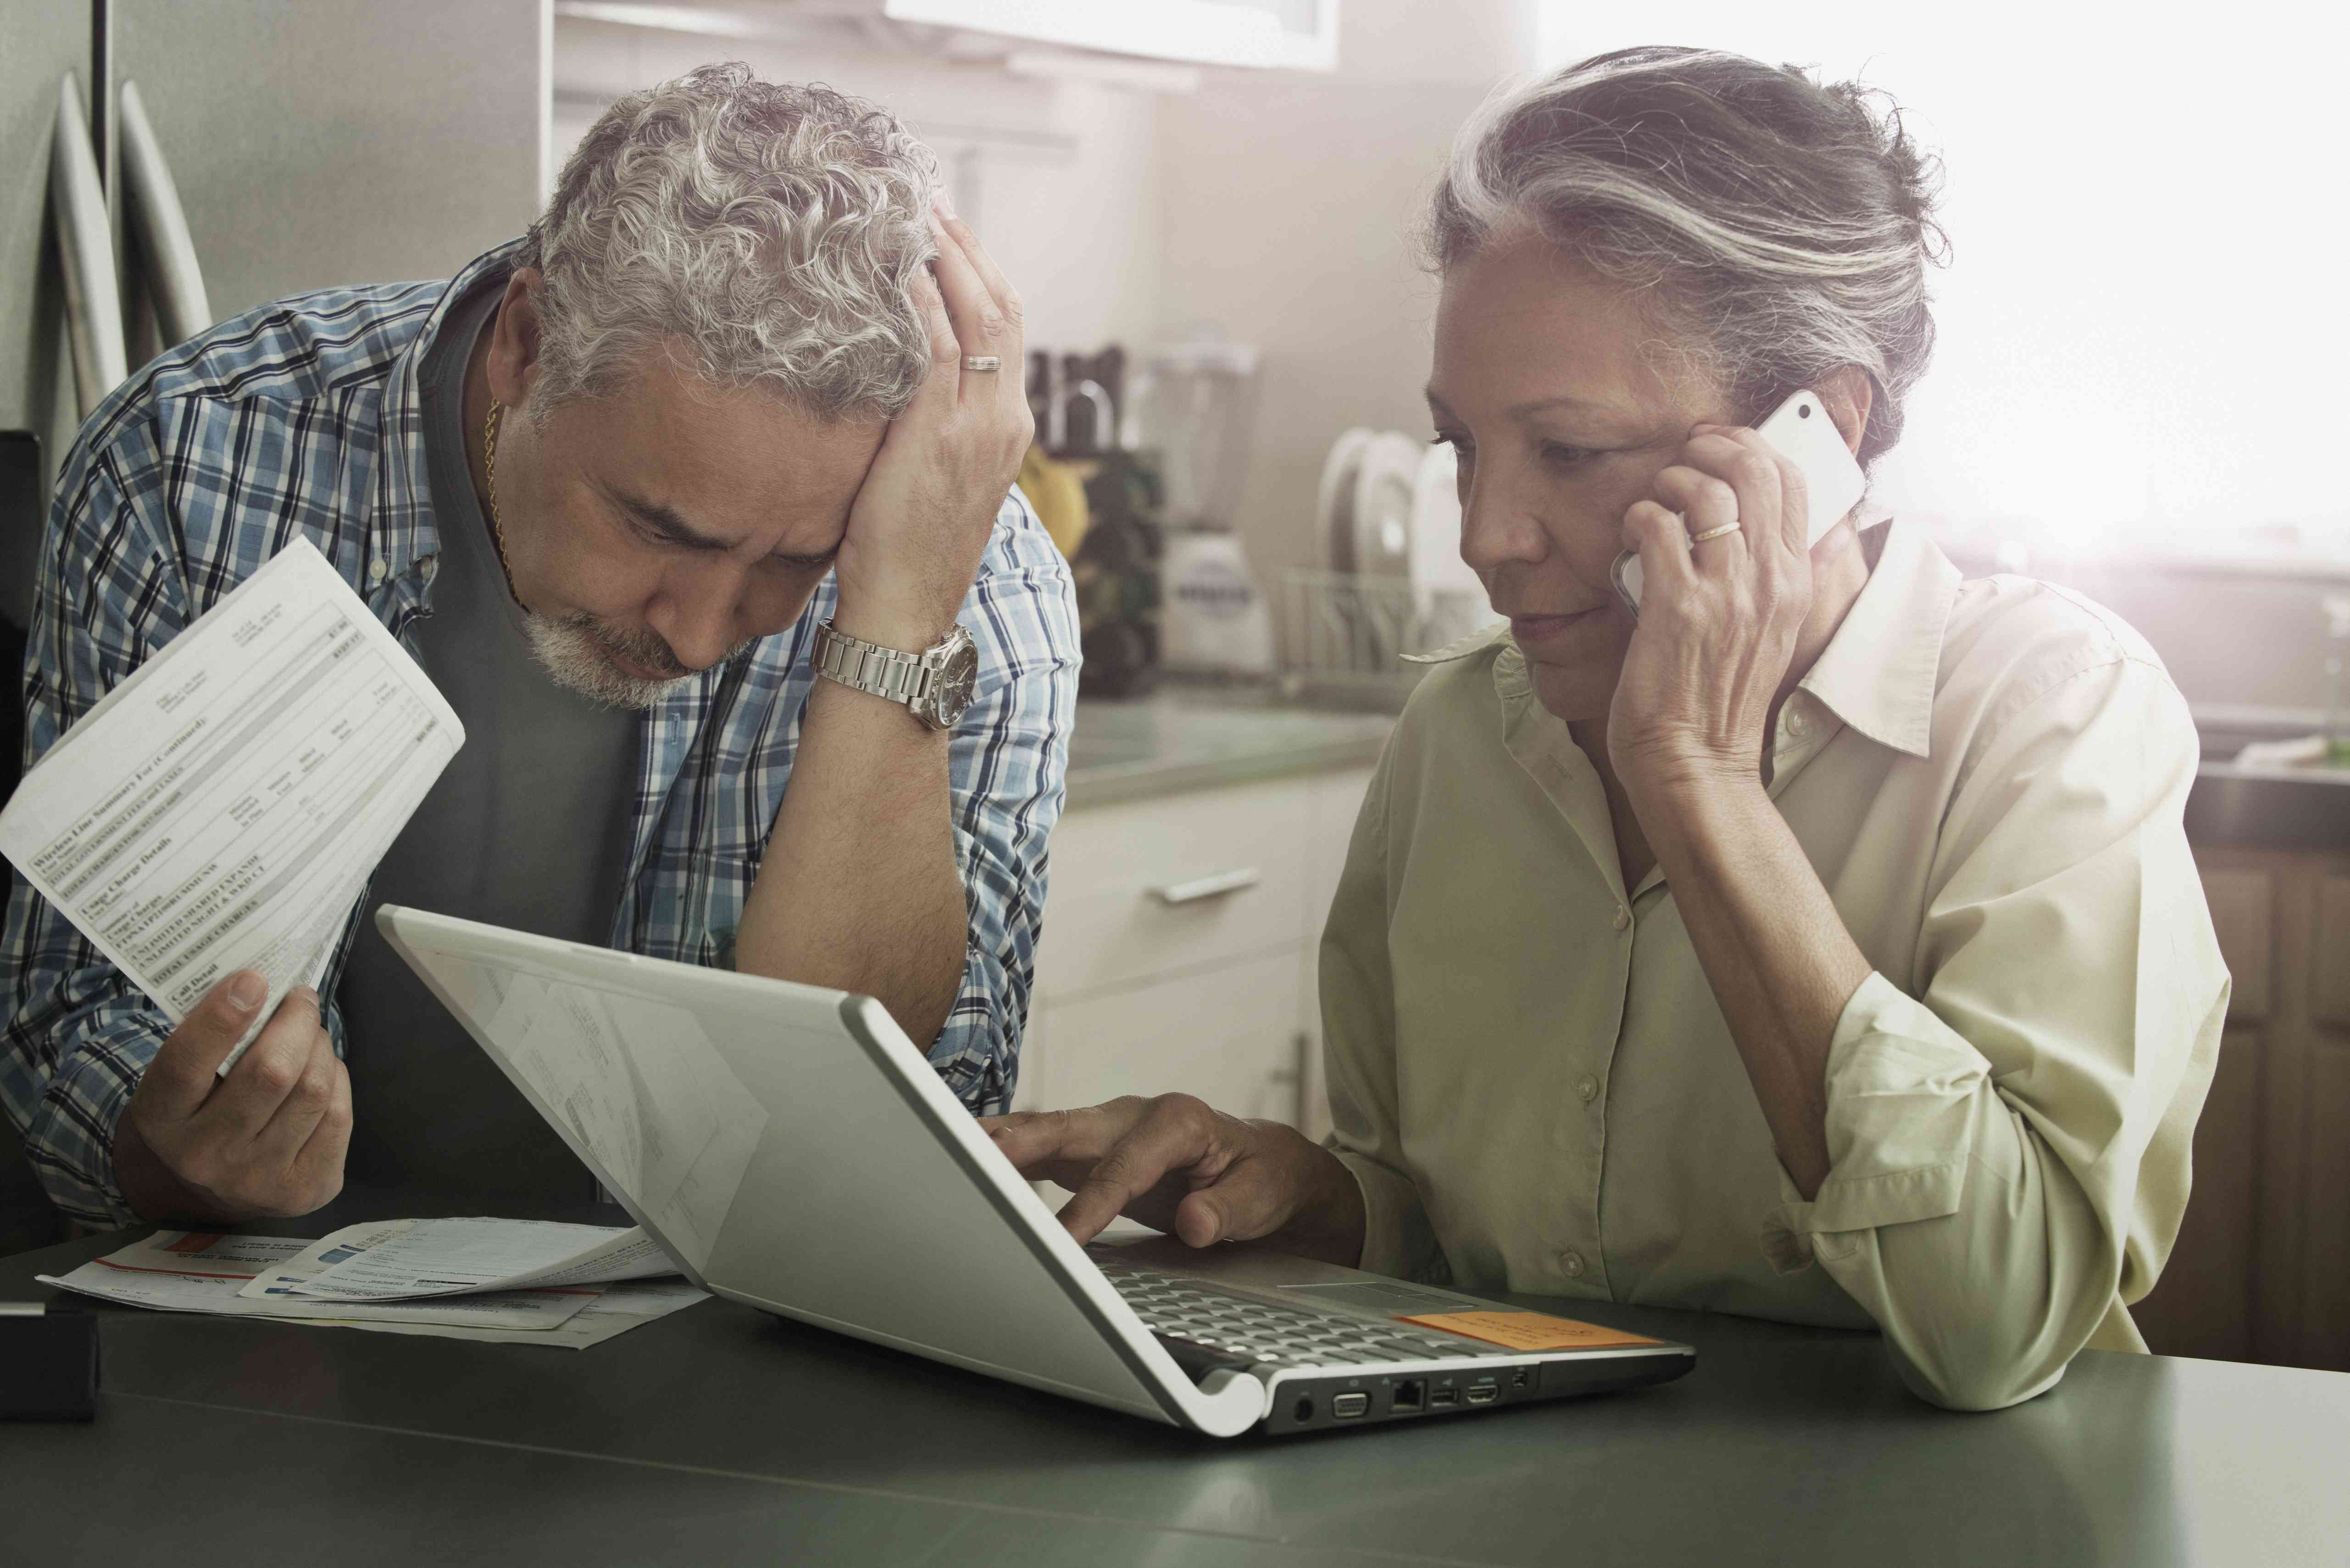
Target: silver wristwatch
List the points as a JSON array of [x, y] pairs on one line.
[[935, 683]]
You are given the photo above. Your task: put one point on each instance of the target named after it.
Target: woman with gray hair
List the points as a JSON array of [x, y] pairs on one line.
[[1820, 943]]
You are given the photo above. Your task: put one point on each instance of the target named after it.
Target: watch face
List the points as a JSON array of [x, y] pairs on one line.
[[958, 677]]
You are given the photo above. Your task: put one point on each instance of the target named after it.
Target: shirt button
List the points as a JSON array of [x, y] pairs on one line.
[[1623, 919], [1797, 725], [431, 564], [377, 570], [1570, 1263], [1588, 1087]]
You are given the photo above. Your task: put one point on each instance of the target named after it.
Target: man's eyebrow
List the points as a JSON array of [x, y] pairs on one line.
[[664, 520]]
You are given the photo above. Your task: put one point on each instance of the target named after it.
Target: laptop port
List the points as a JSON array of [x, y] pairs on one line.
[[1411, 1395], [1443, 1398], [1347, 1407], [1522, 1378], [1302, 1411], [1484, 1394]]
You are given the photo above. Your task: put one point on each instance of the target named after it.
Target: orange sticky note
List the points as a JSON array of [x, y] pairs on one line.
[[1528, 1330]]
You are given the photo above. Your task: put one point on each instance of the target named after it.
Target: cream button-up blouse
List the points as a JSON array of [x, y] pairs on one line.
[[1537, 1091]]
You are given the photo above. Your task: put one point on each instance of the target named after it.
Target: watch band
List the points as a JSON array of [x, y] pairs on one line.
[[888, 672]]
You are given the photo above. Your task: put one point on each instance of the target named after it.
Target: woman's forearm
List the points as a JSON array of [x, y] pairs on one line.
[[1772, 947]]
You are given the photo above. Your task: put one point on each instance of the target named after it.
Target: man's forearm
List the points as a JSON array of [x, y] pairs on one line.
[[858, 889]]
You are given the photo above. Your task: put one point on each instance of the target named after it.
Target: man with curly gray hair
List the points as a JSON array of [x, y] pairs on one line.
[[762, 660]]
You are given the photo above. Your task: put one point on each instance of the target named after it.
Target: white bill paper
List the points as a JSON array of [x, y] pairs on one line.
[[222, 807], [619, 1308], [202, 1272], [400, 1260]]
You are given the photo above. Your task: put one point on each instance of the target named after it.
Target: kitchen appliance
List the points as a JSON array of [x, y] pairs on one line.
[[1194, 404], [288, 147]]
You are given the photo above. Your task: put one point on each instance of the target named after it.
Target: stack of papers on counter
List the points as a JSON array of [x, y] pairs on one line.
[[517, 1281]]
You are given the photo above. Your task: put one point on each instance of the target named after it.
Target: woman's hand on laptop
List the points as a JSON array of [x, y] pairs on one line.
[[1180, 1166]]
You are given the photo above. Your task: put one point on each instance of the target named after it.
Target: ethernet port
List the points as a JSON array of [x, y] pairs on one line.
[[1410, 1395]]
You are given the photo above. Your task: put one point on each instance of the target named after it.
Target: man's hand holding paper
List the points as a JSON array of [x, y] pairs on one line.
[[207, 826], [267, 1138]]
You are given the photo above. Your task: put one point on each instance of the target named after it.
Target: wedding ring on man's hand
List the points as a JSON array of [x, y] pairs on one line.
[[983, 362], [1713, 533]]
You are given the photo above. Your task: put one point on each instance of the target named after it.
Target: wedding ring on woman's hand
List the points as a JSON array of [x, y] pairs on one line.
[[983, 362], [1713, 533]]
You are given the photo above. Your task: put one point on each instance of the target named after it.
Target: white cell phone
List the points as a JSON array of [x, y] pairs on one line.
[[1798, 429]]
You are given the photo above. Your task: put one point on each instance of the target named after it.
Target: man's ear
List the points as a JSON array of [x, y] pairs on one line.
[[1849, 395], [515, 345]]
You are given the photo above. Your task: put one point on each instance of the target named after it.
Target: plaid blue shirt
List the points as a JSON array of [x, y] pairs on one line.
[[303, 418]]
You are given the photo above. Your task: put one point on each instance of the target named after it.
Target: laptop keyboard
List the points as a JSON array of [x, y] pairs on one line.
[[1228, 1324]]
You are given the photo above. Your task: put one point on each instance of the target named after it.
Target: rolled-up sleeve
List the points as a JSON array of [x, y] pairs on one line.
[[1359, 1046], [1008, 767], [2007, 1133]]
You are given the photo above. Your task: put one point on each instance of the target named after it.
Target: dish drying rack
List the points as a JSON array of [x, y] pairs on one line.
[[1343, 635]]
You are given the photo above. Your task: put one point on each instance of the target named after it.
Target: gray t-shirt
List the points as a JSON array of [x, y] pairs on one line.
[[528, 827]]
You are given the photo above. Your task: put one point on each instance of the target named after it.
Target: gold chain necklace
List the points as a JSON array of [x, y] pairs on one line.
[[490, 472]]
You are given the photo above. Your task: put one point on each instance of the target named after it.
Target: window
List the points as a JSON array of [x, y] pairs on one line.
[[2143, 326]]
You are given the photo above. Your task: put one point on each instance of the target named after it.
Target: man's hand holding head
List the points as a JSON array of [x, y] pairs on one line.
[[267, 1140], [922, 517]]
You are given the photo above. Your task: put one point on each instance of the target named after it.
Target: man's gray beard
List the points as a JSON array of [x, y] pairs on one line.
[[570, 652]]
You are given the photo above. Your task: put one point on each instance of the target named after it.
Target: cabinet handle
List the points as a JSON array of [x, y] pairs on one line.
[[1210, 887]]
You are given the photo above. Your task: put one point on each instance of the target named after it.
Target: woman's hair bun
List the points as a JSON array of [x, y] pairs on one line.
[[1913, 175]]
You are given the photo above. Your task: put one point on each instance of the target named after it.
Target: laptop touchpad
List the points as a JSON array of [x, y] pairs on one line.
[[1378, 1296]]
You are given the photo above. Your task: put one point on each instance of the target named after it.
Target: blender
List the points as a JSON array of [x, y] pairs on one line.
[[1194, 404]]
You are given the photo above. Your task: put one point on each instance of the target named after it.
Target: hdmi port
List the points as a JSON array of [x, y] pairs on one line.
[[1484, 1394], [1346, 1406]]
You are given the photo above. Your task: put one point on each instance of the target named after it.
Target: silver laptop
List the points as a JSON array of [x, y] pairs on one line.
[[795, 1152]]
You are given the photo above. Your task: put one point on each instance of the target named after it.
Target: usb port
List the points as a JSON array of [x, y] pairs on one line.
[[1484, 1394], [1411, 1395], [1443, 1398], [1346, 1407]]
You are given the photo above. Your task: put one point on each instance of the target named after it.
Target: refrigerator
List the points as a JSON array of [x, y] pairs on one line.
[[310, 143]]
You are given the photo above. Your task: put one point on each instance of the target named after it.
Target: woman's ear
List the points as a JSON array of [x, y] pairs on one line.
[[1849, 395]]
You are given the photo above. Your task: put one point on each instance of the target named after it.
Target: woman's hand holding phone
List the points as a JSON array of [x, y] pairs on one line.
[[1719, 616]]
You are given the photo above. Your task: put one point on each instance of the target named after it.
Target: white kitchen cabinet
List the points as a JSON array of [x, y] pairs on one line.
[[1302, 34], [1229, 1037], [1178, 948], [1153, 887]]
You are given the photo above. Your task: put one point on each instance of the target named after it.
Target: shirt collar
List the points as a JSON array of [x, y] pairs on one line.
[[1879, 671], [404, 527]]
